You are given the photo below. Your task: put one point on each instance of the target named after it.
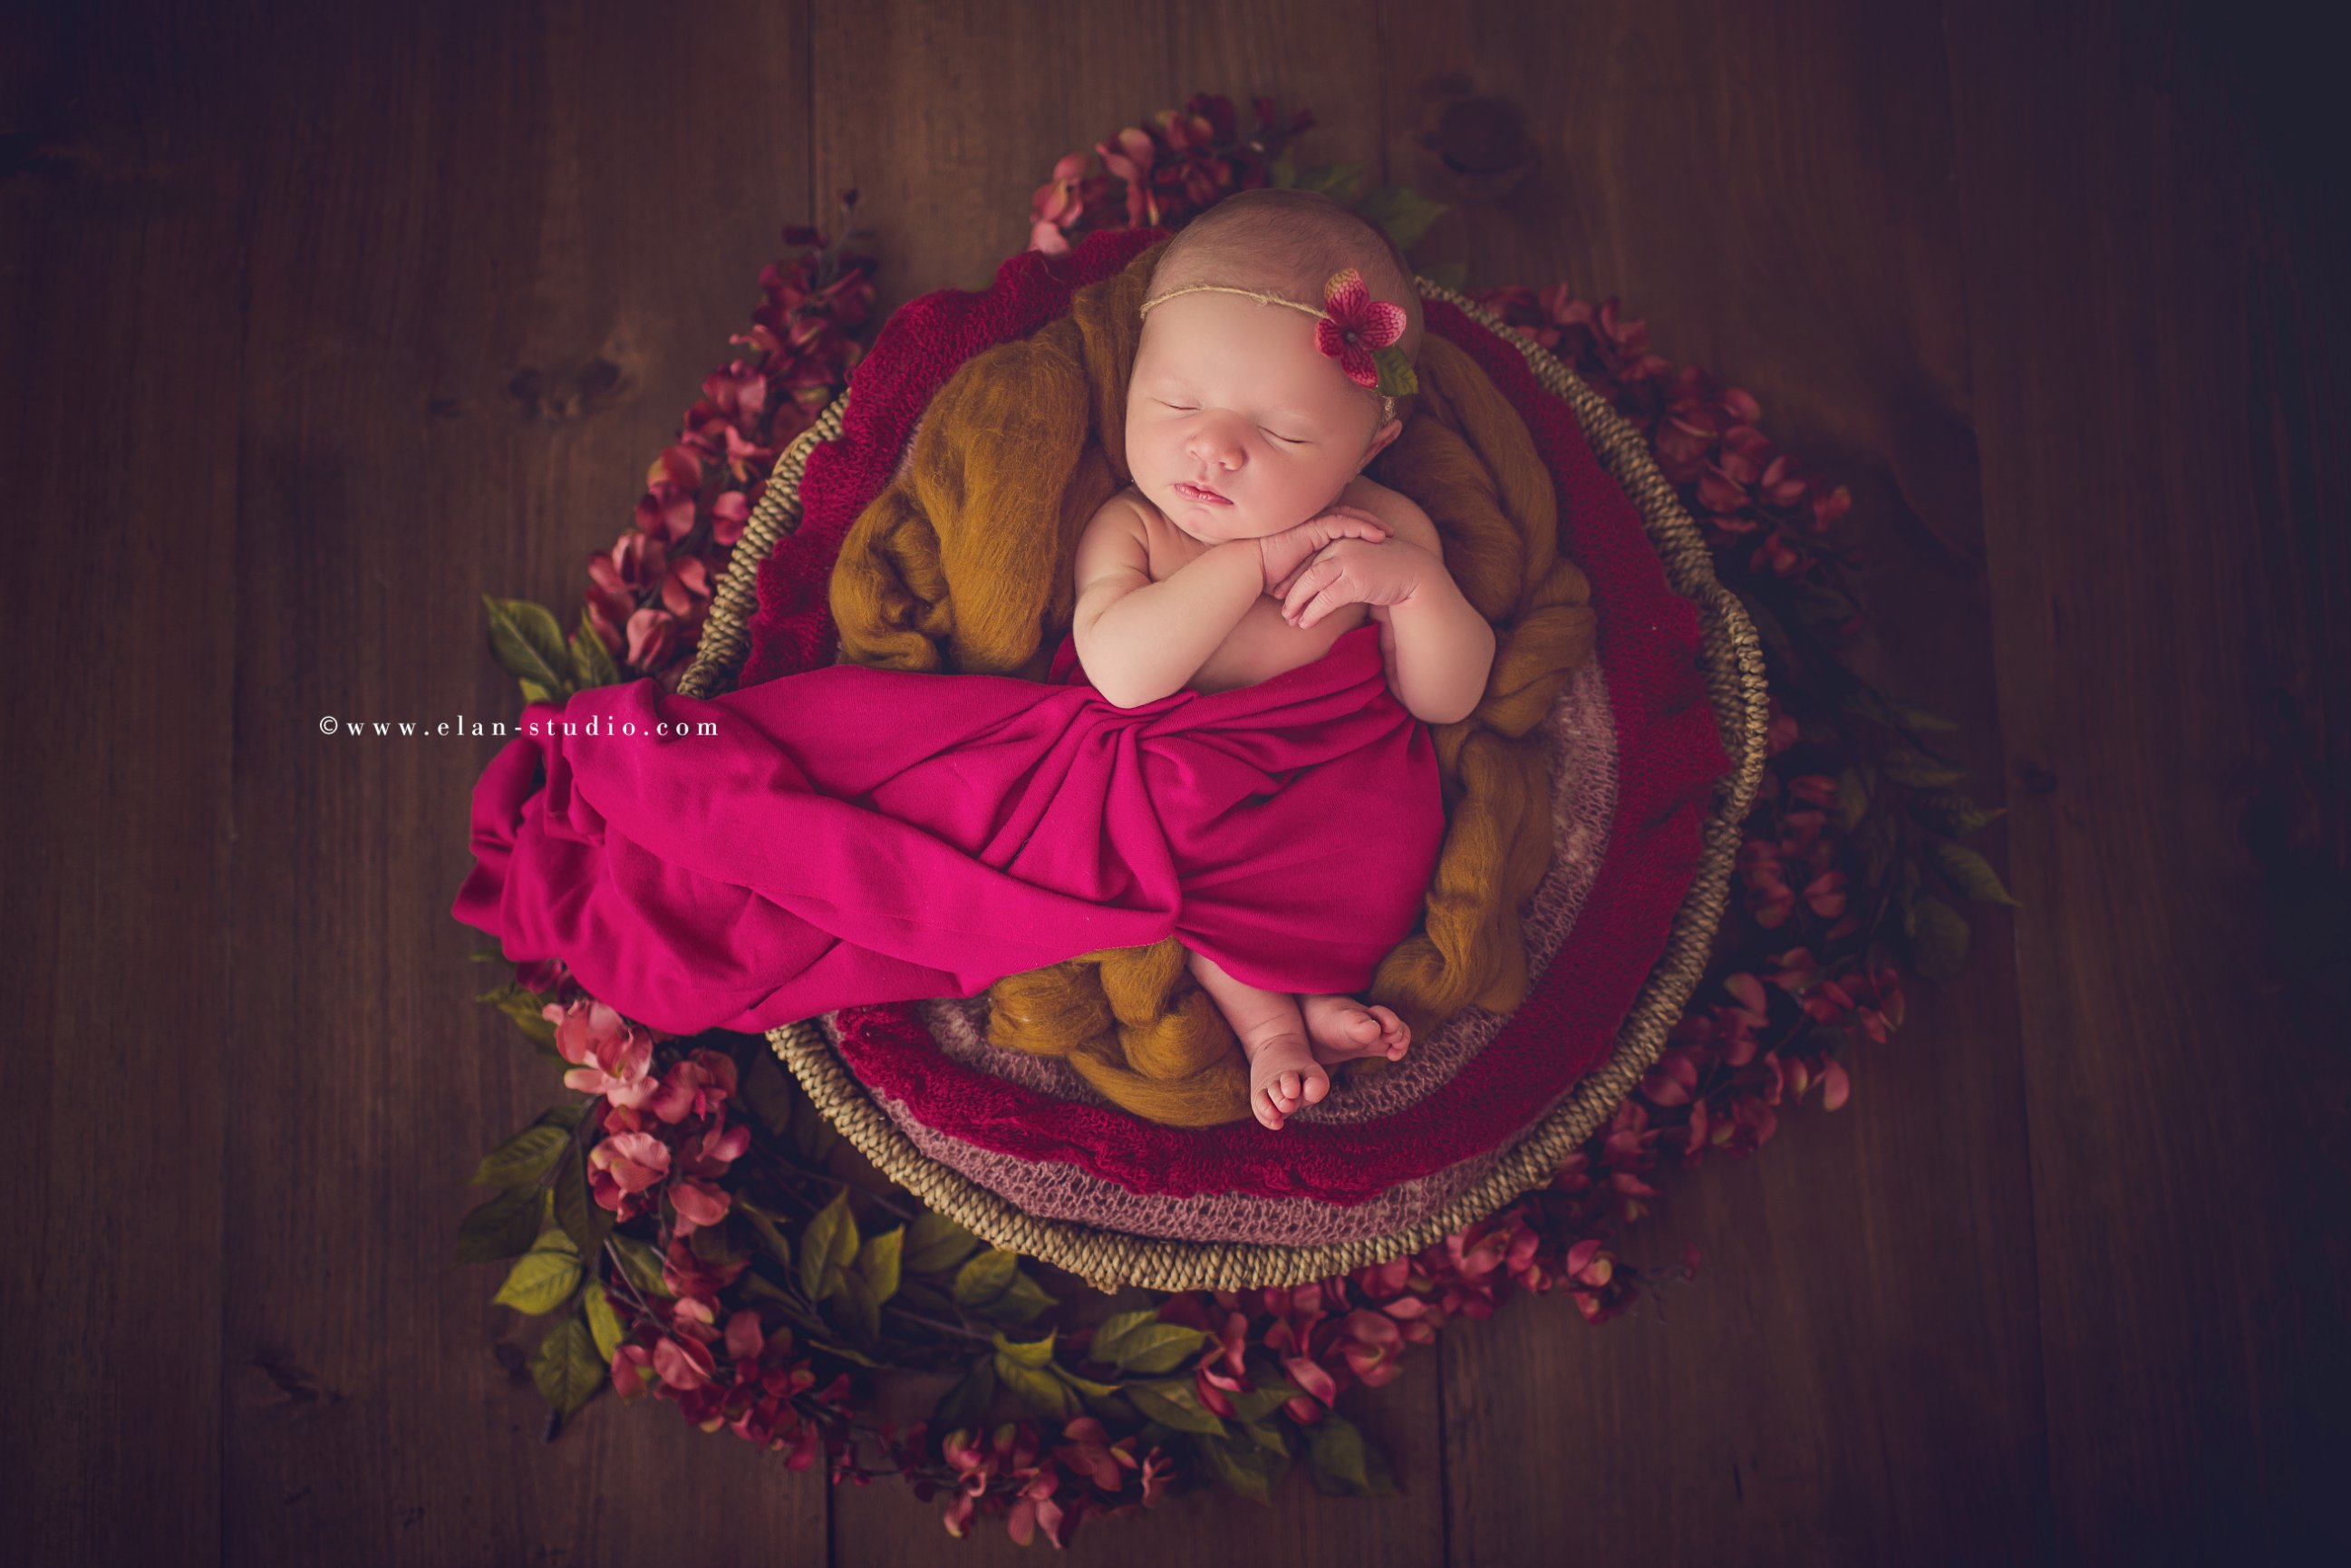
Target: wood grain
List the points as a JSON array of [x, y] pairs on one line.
[[1856, 1321], [487, 276], [2159, 596]]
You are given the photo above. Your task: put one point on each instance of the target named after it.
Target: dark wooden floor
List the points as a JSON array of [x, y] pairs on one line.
[[301, 347]]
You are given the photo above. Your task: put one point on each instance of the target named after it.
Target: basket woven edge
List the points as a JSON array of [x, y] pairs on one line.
[[1732, 667]]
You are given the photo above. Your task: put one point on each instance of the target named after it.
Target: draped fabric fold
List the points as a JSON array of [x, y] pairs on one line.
[[853, 835]]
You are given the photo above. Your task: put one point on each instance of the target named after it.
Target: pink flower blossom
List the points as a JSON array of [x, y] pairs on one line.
[[611, 1054]]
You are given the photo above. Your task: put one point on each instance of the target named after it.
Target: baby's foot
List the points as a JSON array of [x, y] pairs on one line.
[[1283, 1075], [1343, 1029]]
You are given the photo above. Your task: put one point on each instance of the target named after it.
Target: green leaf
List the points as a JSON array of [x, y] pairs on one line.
[[1938, 942], [1969, 873], [986, 1277], [1242, 1467], [1174, 1402], [816, 1136], [1028, 1369], [566, 1366], [1342, 1462], [862, 1312], [965, 1404], [1282, 173], [1395, 373], [1269, 1435], [1403, 212], [592, 661], [1138, 1341], [935, 1244], [1948, 812], [829, 1243], [1259, 1402], [522, 1159], [779, 1245], [503, 1228], [543, 1278], [1919, 770], [877, 1263], [1336, 181], [602, 1320], [1030, 1353], [768, 1093], [530, 646], [641, 1264], [583, 1219], [523, 1007], [492, 954], [1852, 800]]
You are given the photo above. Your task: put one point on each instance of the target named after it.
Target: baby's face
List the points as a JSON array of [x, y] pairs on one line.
[[1231, 394]]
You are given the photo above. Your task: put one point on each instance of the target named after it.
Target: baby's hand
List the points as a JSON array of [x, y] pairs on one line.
[[1355, 571], [1285, 552]]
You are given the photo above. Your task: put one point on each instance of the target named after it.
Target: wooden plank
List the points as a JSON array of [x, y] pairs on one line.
[[2164, 505], [492, 254], [1854, 1378], [946, 120], [118, 433]]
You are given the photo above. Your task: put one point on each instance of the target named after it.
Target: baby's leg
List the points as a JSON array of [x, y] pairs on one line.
[[1283, 1074], [1342, 1029]]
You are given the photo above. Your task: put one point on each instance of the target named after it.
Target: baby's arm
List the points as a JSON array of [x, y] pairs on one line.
[[1140, 640], [1443, 650]]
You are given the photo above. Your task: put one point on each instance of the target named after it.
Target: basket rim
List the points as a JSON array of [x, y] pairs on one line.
[[1731, 660]]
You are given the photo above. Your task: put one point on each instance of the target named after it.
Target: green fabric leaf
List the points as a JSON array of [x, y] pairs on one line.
[[592, 661], [529, 646], [1033, 1354], [503, 1228], [543, 1278], [566, 1366], [1969, 873], [768, 1093], [1946, 811], [935, 1244], [1174, 1402], [583, 1219], [1852, 800], [1919, 770], [1403, 212], [829, 1243], [1259, 1402], [1336, 181], [1138, 1341], [1042, 1392], [877, 1263], [1342, 1462], [986, 1277], [522, 1159], [859, 1313], [964, 1405], [641, 1264], [604, 1322], [1242, 1467], [523, 1007]]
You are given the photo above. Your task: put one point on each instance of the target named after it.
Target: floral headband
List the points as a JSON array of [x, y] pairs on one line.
[[1351, 327]]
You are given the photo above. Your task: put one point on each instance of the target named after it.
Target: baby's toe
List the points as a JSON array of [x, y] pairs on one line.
[[1318, 1084]]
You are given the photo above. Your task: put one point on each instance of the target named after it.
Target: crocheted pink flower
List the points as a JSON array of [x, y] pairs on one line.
[[1355, 324]]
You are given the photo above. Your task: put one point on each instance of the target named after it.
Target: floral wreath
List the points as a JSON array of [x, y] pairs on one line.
[[692, 1229]]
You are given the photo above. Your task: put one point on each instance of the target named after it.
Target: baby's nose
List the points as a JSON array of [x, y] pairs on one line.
[[1215, 443]]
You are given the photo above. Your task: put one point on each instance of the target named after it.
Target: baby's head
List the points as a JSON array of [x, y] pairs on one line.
[[1231, 392]]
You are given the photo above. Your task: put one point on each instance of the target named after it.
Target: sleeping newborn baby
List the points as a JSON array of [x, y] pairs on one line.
[[1279, 328]]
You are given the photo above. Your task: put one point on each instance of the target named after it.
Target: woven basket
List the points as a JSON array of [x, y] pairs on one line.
[[1730, 663]]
